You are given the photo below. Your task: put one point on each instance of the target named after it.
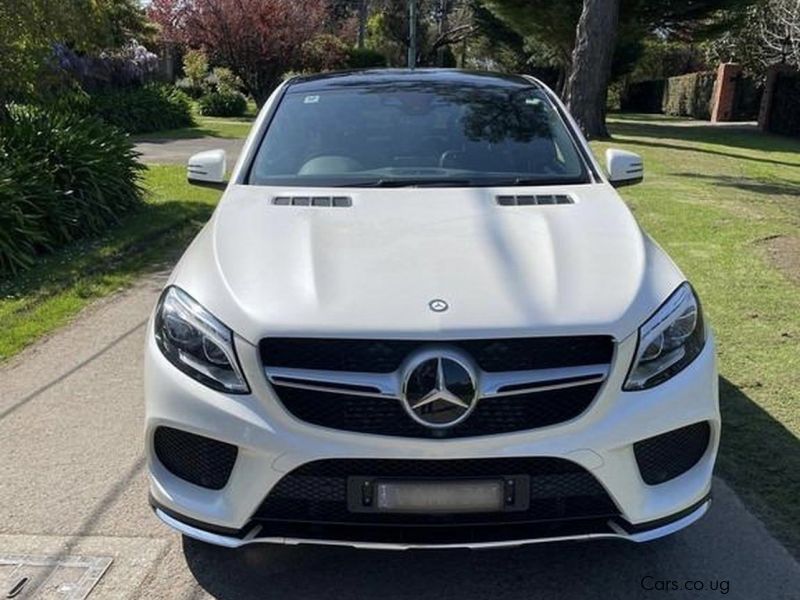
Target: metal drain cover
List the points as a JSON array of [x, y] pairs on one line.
[[27, 577]]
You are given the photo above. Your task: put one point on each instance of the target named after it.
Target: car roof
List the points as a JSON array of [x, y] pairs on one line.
[[403, 77]]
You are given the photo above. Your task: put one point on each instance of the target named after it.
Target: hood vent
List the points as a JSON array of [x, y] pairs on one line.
[[534, 200], [326, 201]]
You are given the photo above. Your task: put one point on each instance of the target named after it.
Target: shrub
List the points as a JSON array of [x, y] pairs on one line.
[[223, 104], [150, 108], [684, 96], [324, 52], [225, 80], [643, 96], [689, 95], [185, 85], [365, 58], [62, 177], [195, 67]]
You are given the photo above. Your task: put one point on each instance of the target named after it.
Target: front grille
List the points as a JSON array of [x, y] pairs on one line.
[[671, 454], [385, 356], [316, 493], [194, 458], [386, 416]]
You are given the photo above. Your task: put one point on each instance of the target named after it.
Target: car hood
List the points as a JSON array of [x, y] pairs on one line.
[[372, 268]]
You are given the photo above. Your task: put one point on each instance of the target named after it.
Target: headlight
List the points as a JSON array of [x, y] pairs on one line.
[[197, 343], [671, 339]]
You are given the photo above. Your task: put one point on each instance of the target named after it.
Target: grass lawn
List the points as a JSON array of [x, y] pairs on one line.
[[47, 296], [725, 204]]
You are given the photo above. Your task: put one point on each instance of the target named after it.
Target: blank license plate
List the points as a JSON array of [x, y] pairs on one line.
[[439, 497]]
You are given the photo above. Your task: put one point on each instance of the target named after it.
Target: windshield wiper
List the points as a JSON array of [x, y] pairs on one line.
[[408, 182], [523, 181]]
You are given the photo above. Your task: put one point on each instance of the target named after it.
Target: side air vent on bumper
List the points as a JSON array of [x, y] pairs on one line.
[[195, 458], [671, 454]]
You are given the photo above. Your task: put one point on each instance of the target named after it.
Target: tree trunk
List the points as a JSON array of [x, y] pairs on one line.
[[363, 13], [587, 86]]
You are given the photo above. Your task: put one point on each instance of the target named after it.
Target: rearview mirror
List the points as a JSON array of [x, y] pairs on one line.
[[207, 169], [624, 168]]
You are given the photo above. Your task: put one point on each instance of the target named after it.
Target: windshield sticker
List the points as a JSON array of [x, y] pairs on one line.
[[311, 99]]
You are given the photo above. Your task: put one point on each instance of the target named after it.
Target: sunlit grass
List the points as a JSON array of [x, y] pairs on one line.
[[713, 197]]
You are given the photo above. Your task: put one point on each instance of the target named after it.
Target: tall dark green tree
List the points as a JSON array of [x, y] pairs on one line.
[[554, 26]]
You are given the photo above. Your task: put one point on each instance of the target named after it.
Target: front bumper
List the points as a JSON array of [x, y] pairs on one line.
[[616, 530], [272, 443]]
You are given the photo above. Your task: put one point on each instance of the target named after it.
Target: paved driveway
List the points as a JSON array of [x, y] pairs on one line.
[[72, 482], [171, 151]]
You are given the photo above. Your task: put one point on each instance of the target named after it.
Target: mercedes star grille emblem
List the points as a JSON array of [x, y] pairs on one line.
[[438, 305], [439, 390]]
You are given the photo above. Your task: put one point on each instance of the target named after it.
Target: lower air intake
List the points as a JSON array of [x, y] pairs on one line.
[[194, 458], [316, 493], [671, 454]]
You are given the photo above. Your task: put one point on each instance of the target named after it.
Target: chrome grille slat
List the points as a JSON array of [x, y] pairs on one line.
[[388, 385]]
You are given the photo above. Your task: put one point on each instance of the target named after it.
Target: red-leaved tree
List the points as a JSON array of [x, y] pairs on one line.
[[259, 40]]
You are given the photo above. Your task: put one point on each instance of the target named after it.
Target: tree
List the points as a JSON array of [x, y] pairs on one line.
[[767, 33], [587, 86], [553, 25], [31, 29], [259, 40], [441, 25]]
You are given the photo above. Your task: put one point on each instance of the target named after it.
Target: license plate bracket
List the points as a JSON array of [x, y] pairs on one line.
[[507, 493]]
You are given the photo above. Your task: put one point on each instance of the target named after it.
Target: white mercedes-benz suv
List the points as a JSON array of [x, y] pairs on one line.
[[421, 316]]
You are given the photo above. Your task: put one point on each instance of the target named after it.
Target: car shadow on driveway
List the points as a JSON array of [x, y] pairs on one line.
[[566, 570]]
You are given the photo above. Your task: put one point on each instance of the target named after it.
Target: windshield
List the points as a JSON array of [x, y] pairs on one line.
[[417, 134]]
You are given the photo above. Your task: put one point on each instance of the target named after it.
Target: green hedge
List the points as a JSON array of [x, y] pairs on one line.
[[683, 96], [689, 95], [784, 114], [153, 107], [62, 177], [223, 104], [643, 96]]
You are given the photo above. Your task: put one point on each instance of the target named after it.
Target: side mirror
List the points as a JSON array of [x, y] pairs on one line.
[[207, 169], [624, 168]]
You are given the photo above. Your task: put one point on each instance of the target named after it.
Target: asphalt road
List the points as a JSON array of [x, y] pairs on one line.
[[177, 151], [72, 482]]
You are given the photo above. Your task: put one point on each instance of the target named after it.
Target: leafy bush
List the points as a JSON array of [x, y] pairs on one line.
[[689, 95], [62, 177], [130, 65], [643, 96], [195, 66], [223, 103], [149, 108], [365, 58], [685, 95], [324, 52], [195, 69], [225, 80]]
